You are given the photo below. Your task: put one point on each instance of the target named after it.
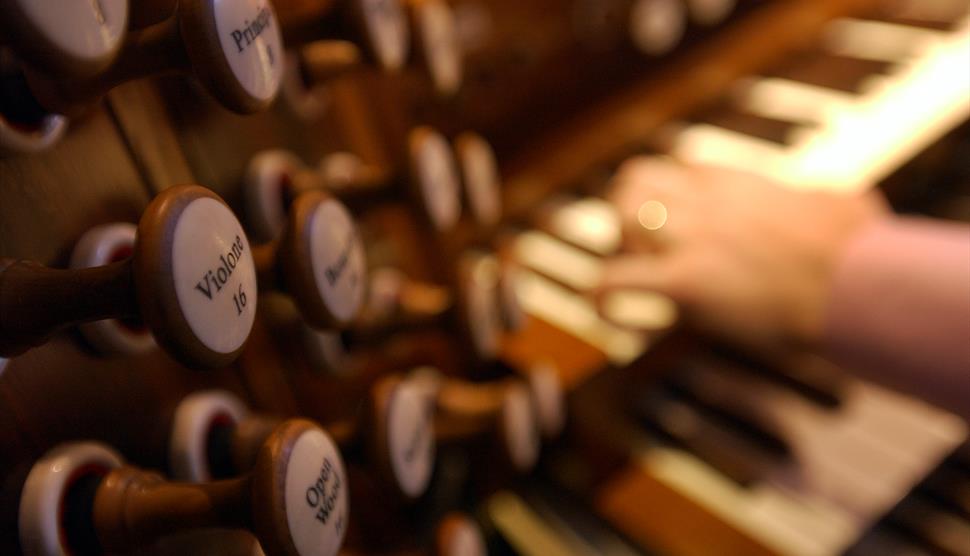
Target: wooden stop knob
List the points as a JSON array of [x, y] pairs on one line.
[[234, 48], [81, 498], [319, 260], [191, 280]]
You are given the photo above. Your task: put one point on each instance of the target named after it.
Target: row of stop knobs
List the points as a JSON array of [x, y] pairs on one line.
[[67, 56], [291, 482], [202, 254], [188, 272]]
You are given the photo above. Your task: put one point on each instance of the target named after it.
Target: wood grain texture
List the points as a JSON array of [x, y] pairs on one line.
[[48, 200], [145, 125], [218, 144]]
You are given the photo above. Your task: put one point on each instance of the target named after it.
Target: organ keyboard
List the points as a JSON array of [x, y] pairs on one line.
[[779, 470], [847, 140]]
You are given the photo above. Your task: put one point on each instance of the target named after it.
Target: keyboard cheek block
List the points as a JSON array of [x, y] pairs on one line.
[[191, 280]]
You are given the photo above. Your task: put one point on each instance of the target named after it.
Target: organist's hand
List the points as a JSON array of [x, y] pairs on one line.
[[745, 259]]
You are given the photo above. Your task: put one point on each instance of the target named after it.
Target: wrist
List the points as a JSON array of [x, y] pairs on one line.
[[811, 324]]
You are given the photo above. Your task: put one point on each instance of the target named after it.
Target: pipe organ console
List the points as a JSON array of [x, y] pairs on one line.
[[312, 277]]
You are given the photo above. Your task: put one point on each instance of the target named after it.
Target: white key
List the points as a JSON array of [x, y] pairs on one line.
[[590, 223], [791, 524], [894, 122], [785, 99], [576, 315], [560, 261], [878, 40], [708, 144]]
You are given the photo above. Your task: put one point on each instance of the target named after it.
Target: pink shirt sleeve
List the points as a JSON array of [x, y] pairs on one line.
[[899, 311]]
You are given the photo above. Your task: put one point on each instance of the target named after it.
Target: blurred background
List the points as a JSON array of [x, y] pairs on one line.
[[655, 439]]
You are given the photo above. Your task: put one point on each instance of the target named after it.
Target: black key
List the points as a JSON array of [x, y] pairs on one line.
[[769, 129], [961, 457], [732, 454], [949, 487], [741, 414], [932, 24], [884, 541], [940, 15], [833, 71], [944, 532], [820, 383]]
